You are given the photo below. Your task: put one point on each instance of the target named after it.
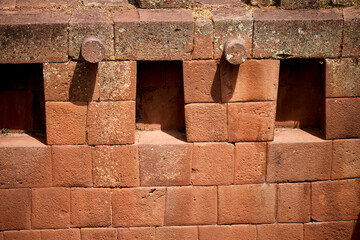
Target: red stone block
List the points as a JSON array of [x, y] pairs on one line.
[[342, 118], [203, 39], [201, 81], [50, 208], [65, 122], [212, 164], [46, 3], [21, 235], [231, 23], [117, 80], [154, 34], [24, 164], [280, 231], [220, 3], [70, 81], [299, 33], [330, 230], [342, 78], [230, 232], [165, 3], [247, 204], [85, 23], [206, 122], [351, 32], [251, 121], [165, 164], [98, 233], [191, 205], [115, 166], [105, 3], [254, 80], [250, 163], [111, 122], [72, 165], [15, 208], [336, 200], [177, 233], [291, 157], [138, 207], [7, 4], [144, 233], [346, 160], [90, 207], [33, 37], [293, 202], [61, 234]]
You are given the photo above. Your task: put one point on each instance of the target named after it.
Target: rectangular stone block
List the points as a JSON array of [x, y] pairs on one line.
[[66, 122], [206, 122], [299, 33], [98, 233], [60, 234], [144, 233], [212, 164], [247, 232], [351, 32], [21, 235], [90, 207], [203, 39], [294, 202], [336, 200], [177, 233], [254, 80], [201, 81], [115, 166], [165, 164], [346, 159], [105, 3], [251, 121], [15, 208], [154, 34], [165, 3], [133, 207], [342, 118], [232, 23], [111, 122], [85, 23], [70, 81], [280, 231], [46, 3], [26, 164], [247, 204], [330, 230], [250, 162], [342, 78], [7, 4], [191, 205], [295, 155], [33, 37]]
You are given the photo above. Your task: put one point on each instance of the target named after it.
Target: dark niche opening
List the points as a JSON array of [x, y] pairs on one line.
[[301, 98], [22, 104], [160, 96]]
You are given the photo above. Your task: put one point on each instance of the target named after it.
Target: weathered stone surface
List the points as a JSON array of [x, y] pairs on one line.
[[117, 80], [165, 3], [177, 233], [342, 118], [144, 233], [70, 81], [60, 234], [251, 121], [346, 159], [299, 33], [105, 3], [262, 3], [247, 232], [345, 3], [115, 166], [85, 23], [254, 80], [98, 233], [22, 235], [220, 3], [351, 32], [291, 157], [92, 49], [203, 39], [235, 51], [297, 4], [280, 231], [342, 78], [7, 4], [46, 3], [232, 23], [33, 37], [330, 230], [154, 34]]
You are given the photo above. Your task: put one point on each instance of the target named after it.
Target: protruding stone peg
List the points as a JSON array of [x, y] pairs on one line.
[[235, 51], [93, 50]]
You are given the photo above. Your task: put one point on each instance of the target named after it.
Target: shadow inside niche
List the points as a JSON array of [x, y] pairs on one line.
[[83, 83], [216, 86], [356, 233], [228, 79]]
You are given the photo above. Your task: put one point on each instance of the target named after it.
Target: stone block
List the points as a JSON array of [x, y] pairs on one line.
[[22, 235], [298, 4], [105, 3], [177, 233], [346, 160], [98, 233], [330, 230], [46, 3], [229, 232], [203, 39], [165, 3], [280, 231], [144, 233], [351, 32], [61, 234], [7, 4]]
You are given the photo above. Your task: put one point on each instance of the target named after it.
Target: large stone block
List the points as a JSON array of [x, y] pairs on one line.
[[165, 3], [154, 34], [299, 33], [346, 159], [33, 37], [203, 39], [351, 32], [331, 230]]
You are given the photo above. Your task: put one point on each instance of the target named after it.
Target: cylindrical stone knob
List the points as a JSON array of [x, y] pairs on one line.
[[235, 51], [93, 50]]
